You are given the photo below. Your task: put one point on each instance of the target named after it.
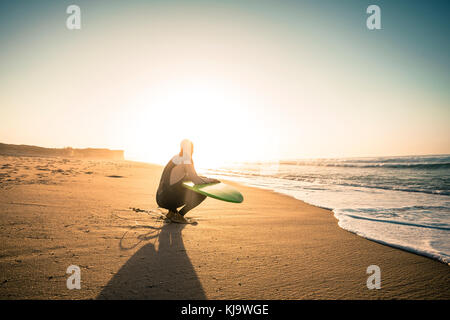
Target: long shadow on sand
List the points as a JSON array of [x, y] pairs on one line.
[[157, 273]]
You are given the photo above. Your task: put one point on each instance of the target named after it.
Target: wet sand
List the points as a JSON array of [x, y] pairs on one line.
[[57, 212]]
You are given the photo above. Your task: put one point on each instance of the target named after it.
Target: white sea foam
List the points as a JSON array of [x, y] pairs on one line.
[[405, 204]]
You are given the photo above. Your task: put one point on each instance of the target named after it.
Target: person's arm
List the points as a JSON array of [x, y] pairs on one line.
[[192, 175], [209, 180]]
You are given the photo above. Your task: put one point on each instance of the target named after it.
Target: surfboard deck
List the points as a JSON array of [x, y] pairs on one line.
[[219, 191]]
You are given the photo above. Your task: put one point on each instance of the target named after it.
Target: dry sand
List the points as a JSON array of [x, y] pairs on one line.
[[55, 213]]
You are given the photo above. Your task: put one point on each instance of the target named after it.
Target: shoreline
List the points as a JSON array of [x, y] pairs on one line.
[[431, 255], [385, 243], [272, 246]]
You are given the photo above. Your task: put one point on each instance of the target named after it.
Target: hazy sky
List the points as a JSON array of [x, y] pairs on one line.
[[244, 80]]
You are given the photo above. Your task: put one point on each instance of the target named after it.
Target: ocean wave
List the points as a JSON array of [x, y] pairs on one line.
[[422, 239], [405, 188], [404, 223], [425, 166], [397, 188]]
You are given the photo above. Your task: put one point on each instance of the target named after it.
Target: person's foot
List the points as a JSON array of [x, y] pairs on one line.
[[170, 214], [176, 217]]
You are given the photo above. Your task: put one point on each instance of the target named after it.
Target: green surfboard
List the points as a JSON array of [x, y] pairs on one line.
[[219, 191]]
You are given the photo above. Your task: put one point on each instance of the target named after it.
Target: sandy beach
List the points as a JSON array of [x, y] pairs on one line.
[[58, 212]]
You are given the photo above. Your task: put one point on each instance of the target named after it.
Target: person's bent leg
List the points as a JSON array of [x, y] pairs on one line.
[[170, 200], [192, 200]]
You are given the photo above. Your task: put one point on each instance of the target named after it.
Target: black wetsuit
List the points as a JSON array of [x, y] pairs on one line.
[[174, 196], [170, 196]]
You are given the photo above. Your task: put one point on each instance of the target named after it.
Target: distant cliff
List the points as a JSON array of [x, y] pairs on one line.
[[33, 151]]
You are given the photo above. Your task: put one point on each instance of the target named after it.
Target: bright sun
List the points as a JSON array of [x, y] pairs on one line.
[[214, 116]]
